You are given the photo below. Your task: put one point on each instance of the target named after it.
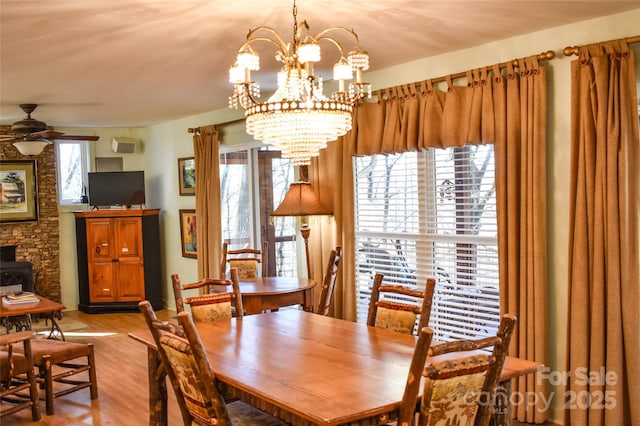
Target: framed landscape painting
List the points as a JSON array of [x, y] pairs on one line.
[[187, 176], [18, 191], [188, 233]]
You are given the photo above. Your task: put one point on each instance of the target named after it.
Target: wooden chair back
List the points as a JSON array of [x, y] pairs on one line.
[[187, 366], [329, 282], [461, 380], [12, 365], [407, 411], [215, 301], [398, 307], [245, 260]]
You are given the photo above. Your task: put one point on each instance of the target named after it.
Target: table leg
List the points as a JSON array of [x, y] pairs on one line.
[[55, 327], [157, 389], [308, 300], [502, 408]]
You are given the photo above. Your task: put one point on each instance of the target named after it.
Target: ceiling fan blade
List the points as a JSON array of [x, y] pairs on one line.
[[7, 137], [52, 134], [76, 138]]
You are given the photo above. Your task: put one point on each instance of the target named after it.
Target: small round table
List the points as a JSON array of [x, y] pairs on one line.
[[269, 293]]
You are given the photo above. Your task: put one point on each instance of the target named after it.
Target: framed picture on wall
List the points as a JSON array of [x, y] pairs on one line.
[[187, 176], [188, 232], [18, 191]]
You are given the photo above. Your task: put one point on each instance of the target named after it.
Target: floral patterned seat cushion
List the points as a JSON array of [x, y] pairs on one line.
[[246, 268], [451, 390], [183, 364], [210, 307], [400, 320]]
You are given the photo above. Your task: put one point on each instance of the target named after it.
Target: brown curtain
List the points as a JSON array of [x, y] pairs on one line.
[[208, 224], [604, 288], [509, 111]]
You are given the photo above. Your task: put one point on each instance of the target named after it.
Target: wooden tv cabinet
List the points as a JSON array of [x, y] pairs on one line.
[[118, 259]]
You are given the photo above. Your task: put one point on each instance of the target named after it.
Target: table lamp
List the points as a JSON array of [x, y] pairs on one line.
[[300, 200]]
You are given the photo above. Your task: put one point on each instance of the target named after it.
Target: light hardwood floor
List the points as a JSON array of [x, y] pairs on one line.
[[121, 365]]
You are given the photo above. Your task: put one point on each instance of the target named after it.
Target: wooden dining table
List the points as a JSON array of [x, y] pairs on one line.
[[19, 316], [271, 293], [308, 369]]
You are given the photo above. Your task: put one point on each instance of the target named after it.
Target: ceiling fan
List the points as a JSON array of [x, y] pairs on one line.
[[31, 136]]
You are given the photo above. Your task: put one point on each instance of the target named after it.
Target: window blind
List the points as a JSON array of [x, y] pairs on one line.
[[431, 213]]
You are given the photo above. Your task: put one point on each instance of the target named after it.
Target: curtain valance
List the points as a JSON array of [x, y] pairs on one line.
[[420, 115]]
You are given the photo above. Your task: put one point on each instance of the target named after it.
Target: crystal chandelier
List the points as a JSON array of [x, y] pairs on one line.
[[299, 119]]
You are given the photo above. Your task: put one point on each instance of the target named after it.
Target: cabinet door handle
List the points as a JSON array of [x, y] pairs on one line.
[[98, 248]]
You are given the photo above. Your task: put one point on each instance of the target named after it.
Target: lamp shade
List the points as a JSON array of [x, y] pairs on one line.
[[34, 147], [300, 200]]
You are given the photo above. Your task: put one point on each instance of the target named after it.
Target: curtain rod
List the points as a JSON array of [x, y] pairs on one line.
[[548, 55], [224, 123], [575, 50]]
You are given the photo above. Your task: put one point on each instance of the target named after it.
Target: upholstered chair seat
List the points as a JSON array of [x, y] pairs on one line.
[[68, 357]]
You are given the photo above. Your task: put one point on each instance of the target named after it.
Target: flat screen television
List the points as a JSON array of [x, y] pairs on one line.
[[116, 188]]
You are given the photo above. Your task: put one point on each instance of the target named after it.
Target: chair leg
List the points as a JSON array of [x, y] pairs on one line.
[[92, 373], [48, 384], [33, 393]]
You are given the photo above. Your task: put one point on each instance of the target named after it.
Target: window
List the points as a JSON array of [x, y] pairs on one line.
[[236, 204], [73, 161], [431, 213]]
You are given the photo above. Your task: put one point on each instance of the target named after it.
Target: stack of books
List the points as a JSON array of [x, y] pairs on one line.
[[20, 297]]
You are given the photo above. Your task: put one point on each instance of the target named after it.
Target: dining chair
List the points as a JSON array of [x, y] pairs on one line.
[[460, 380], [63, 363], [192, 378], [398, 307], [329, 282], [215, 303], [246, 260], [14, 366]]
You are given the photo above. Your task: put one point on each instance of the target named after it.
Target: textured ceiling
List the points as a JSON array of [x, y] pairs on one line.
[[91, 63]]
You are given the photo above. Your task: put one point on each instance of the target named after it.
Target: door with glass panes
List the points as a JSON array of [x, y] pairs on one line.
[[240, 226]]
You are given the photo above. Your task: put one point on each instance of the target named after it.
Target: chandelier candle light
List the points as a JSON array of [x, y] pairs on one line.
[[299, 119]]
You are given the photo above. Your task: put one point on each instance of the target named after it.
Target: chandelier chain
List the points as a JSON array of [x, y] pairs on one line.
[[295, 22]]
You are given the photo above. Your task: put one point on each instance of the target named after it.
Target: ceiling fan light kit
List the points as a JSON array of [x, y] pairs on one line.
[[30, 136], [29, 147]]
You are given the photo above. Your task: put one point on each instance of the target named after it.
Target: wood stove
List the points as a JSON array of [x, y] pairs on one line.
[[14, 275]]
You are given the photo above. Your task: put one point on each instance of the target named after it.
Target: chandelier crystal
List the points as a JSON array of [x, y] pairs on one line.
[[299, 119]]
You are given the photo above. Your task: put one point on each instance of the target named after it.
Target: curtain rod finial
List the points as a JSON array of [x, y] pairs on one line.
[[571, 50], [548, 55]]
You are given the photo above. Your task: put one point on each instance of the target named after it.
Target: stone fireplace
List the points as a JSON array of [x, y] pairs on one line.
[[37, 242]]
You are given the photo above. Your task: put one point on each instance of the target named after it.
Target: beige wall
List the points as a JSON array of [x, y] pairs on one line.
[[165, 142]]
